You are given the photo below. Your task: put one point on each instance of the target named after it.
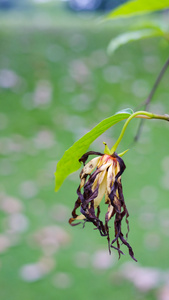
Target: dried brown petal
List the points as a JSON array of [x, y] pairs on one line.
[[99, 177]]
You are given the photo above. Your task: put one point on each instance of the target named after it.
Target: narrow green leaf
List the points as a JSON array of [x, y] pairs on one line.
[[133, 36], [137, 7], [69, 162]]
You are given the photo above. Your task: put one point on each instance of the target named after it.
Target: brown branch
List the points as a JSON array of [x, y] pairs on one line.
[[148, 100]]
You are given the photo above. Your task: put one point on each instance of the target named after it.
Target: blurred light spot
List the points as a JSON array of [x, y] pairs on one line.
[[79, 71], [87, 5], [4, 243], [43, 93], [42, 1], [17, 223], [28, 189], [112, 74], [36, 271], [165, 181], [47, 264], [60, 213], [102, 260], [81, 102], [140, 88], [44, 139], [11, 145], [143, 278], [31, 272], [165, 164], [51, 238], [163, 292], [82, 260], [8, 78], [4, 121], [62, 280], [73, 123], [10, 205], [164, 221], [78, 42]]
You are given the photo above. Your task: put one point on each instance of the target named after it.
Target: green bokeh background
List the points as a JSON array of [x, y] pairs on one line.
[[67, 54]]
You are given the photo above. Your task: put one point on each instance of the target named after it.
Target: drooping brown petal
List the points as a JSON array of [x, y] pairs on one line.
[[131, 253], [89, 213], [99, 177], [77, 205], [121, 163], [117, 207], [86, 155], [85, 198], [74, 215], [116, 195]]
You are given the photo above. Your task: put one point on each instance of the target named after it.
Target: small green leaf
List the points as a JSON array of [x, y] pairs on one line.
[[69, 162], [132, 8], [132, 36]]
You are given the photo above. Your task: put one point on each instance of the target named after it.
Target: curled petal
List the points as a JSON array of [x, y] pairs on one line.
[[71, 220], [86, 155], [89, 167]]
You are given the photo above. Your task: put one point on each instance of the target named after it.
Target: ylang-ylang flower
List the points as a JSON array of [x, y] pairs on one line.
[[101, 178]]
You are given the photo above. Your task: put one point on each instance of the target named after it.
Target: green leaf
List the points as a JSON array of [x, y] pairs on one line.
[[133, 8], [69, 162], [132, 36]]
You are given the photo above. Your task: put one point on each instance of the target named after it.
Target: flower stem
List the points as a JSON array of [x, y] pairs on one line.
[[137, 114], [147, 102]]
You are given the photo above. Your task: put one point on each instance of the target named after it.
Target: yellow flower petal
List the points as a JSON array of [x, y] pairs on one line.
[[89, 167], [102, 189], [110, 178], [100, 176], [109, 212], [81, 217]]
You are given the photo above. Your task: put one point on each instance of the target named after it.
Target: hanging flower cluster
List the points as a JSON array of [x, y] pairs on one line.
[[101, 177]]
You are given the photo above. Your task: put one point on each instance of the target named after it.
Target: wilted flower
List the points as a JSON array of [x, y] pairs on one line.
[[102, 177]]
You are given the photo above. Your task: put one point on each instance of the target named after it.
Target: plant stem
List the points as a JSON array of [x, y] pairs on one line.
[[138, 114], [148, 100]]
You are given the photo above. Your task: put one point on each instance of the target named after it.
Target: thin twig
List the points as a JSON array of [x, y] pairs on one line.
[[148, 100]]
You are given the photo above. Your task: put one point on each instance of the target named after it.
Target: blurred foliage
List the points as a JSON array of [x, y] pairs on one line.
[[137, 7], [144, 29], [131, 36], [56, 83]]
